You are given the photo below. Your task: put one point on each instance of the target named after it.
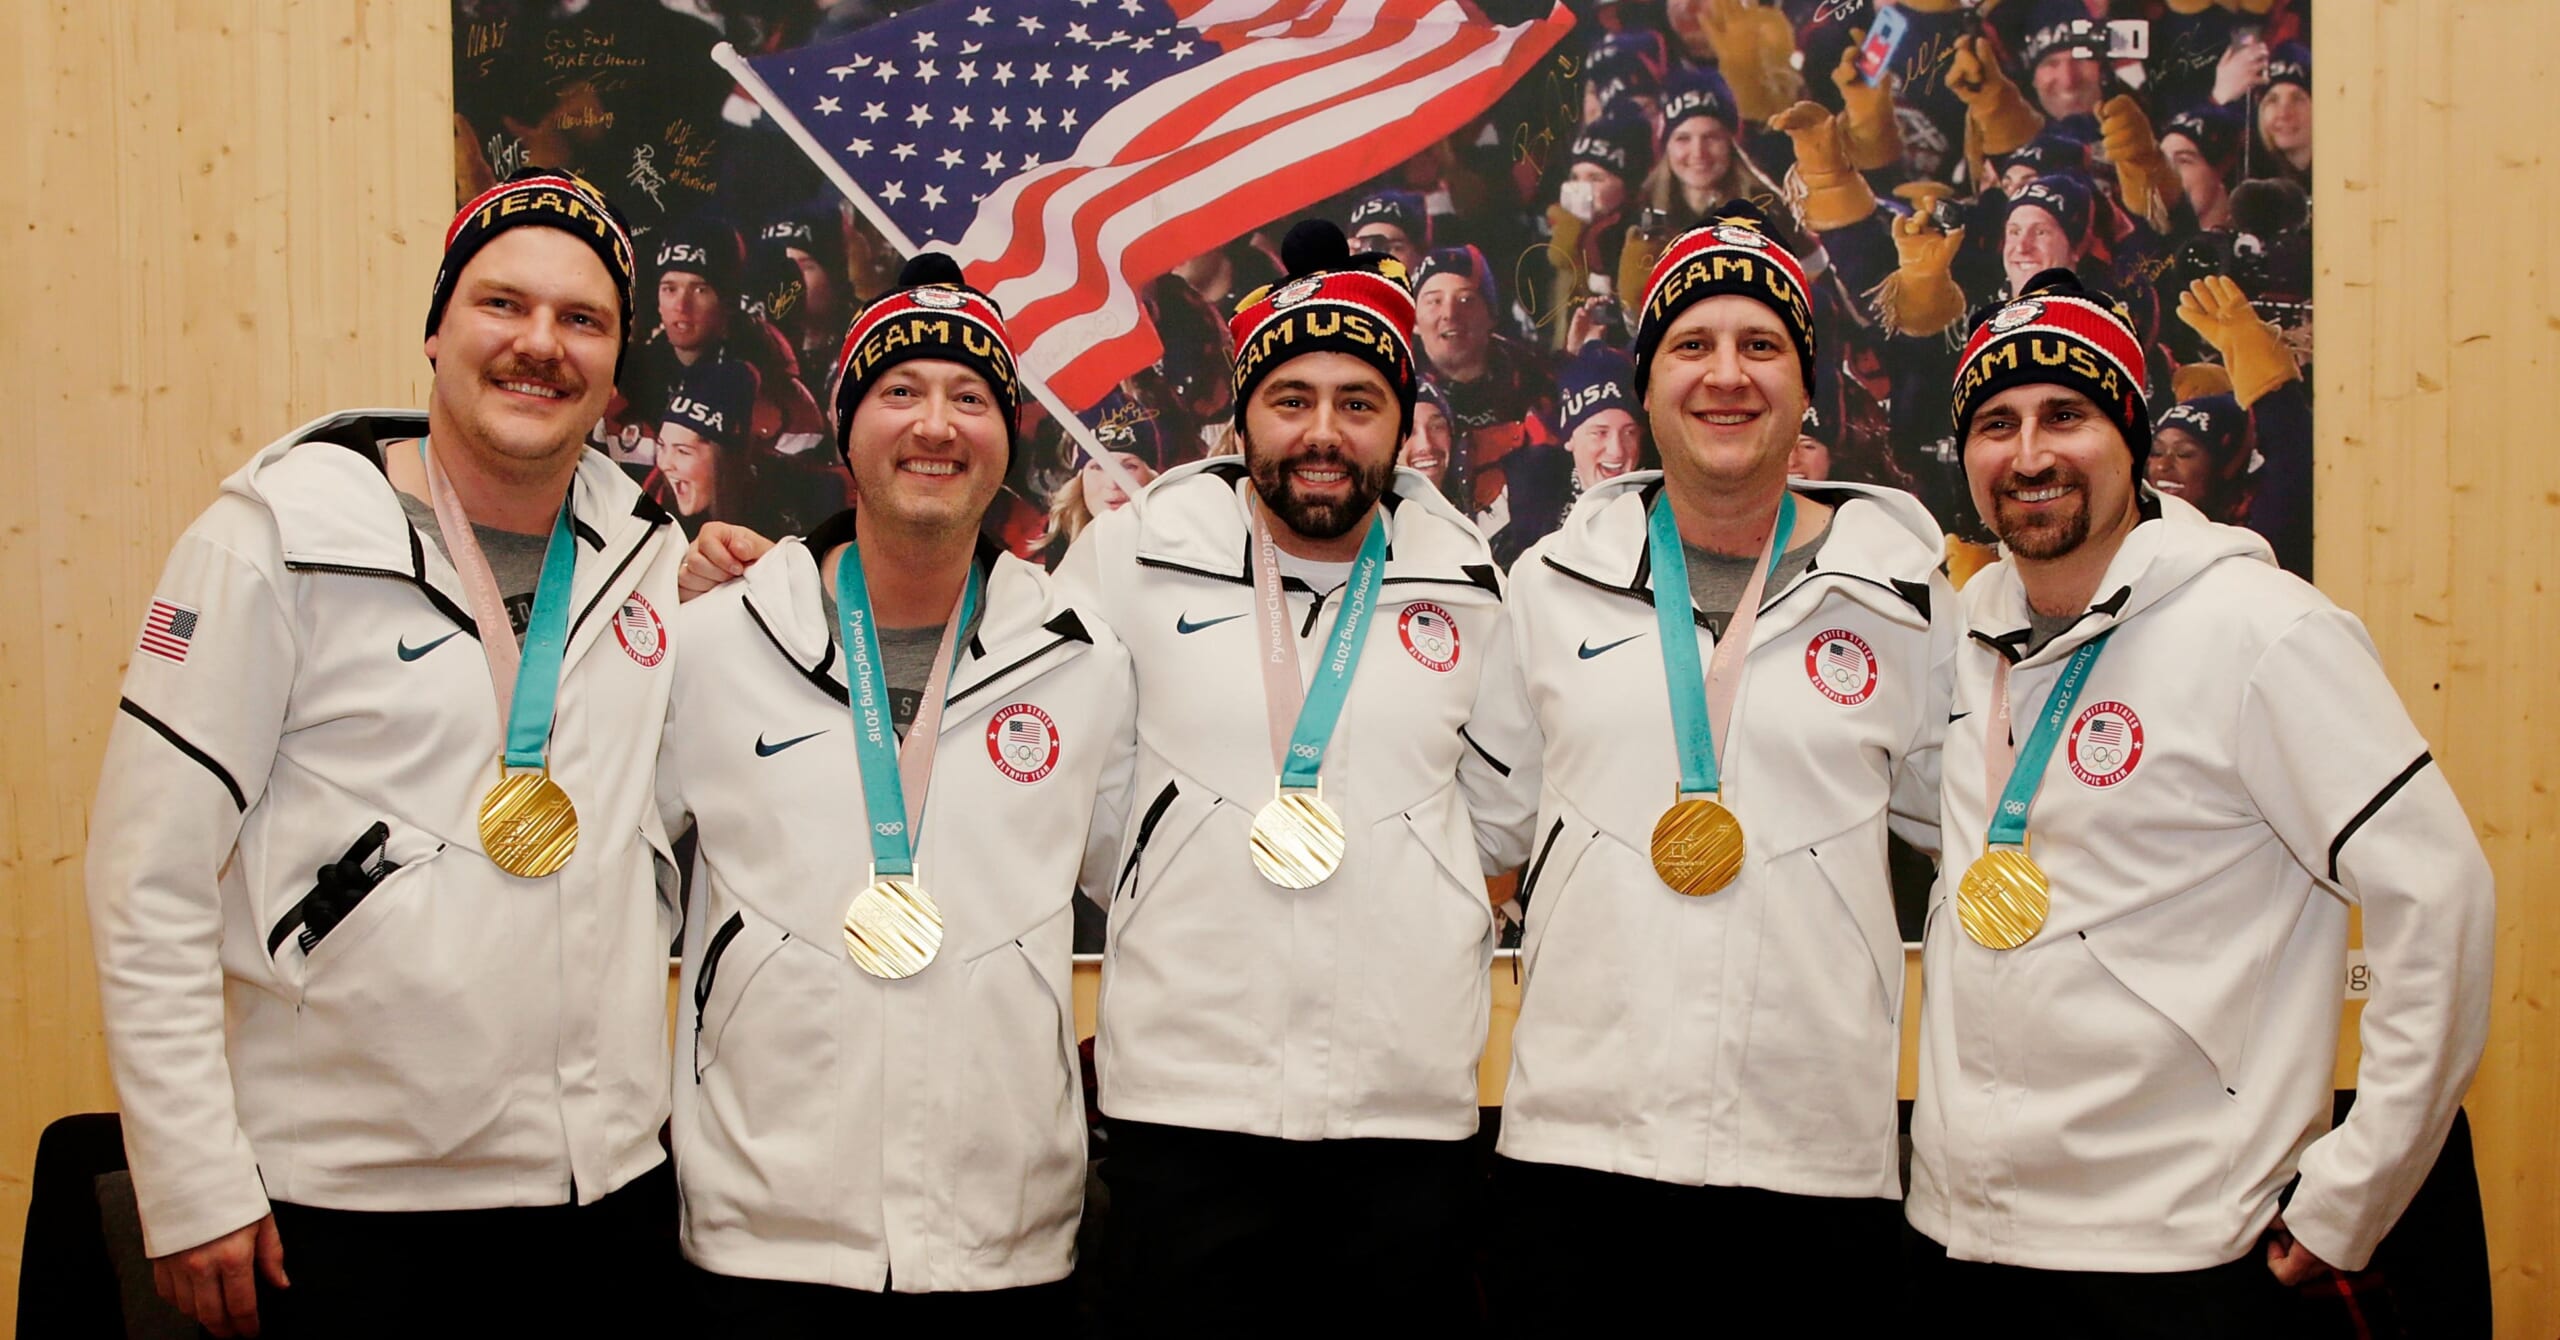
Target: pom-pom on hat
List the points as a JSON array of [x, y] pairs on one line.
[[932, 313], [1731, 253], [542, 197], [1330, 301], [2057, 332]]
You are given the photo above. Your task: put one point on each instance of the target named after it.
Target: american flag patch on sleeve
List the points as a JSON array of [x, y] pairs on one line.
[[168, 631]]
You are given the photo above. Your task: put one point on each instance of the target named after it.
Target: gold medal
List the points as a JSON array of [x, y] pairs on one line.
[[527, 825], [2003, 898], [893, 928], [1697, 847], [1297, 839]]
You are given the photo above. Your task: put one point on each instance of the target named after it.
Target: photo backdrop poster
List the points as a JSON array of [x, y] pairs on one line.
[[1122, 170]]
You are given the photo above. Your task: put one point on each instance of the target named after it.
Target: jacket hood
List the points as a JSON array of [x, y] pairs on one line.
[[1884, 538], [784, 593], [1194, 517], [334, 507], [2173, 545]]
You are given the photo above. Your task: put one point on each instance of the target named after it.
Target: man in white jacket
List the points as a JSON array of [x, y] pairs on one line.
[[1295, 995], [2172, 770], [889, 736], [1703, 1070], [378, 896]]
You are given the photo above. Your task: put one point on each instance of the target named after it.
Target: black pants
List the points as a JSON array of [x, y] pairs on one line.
[[1215, 1233], [2238, 1300], [603, 1269], [726, 1305], [1586, 1252]]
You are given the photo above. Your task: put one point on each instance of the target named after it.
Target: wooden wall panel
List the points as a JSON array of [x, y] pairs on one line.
[[221, 218], [218, 218]]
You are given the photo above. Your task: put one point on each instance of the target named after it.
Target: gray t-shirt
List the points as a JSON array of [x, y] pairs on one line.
[[906, 656], [514, 560], [2046, 627], [1716, 580]]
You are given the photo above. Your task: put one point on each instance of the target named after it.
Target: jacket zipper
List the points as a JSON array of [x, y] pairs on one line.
[[1529, 882], [1026, 659], [1146, 830], [702, 985]]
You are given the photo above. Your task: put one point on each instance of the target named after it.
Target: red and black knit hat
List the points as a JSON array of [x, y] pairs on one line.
[[1730, 253], [932, 313], [2060, 333], [550, 198], [1331, 301]]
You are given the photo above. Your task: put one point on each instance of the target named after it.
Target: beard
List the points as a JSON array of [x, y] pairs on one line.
[[2057, 530], [1317, 519]]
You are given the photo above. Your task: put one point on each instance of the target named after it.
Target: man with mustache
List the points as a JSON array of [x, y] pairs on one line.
[[384, 968], [2170, 771], [1703, 1072], [1296, 980]]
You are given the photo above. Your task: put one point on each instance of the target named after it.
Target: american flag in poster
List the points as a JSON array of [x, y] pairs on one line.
[[168, 630], [1066, 151]]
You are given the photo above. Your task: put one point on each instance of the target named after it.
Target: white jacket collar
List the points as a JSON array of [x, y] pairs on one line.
[[2172, 546], [1883, 539], [785, 594], [1194, 518], [334, 507]]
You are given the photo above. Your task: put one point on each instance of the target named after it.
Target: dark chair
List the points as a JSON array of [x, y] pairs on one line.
[[83, 1272]]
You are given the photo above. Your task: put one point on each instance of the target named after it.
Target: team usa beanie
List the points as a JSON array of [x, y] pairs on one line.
[[1330, 301], [932, 313], [1731, 253], [2057, 332], [544, 197]]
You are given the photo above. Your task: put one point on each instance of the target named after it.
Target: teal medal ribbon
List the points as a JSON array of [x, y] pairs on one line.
[[546, 638], [1297, 840], [1322, 709], [1693, 735], [2018, 796], [875, 741]]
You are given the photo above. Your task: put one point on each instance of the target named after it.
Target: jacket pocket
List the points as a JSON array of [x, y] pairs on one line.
[[2156, 989], [1868, 903], [1016, 1142], [1171, 820], [362, 916], [737, 950]]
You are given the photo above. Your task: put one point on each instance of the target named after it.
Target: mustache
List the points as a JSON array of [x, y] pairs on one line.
[[516, 368]]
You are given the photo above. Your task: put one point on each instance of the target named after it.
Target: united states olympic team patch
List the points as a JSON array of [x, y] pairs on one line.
[[1841, 665], [1023, 742]]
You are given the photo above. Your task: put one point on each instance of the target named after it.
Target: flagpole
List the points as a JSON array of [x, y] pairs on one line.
[[1075, 428]]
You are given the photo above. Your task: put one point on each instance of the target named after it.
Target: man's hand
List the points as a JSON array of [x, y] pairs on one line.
[[720, 554], [2290, 1261], [212, 1283]]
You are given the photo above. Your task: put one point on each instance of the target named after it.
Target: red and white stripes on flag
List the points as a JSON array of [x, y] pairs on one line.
[[1305, 98], [168, 630]]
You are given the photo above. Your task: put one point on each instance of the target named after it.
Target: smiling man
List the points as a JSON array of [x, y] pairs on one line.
[[2135, 949], [888, 737], [382, 952], [1739, 683], [1296, 978]]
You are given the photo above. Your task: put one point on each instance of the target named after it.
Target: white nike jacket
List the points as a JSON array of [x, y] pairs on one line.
[[922, 1135], [2133, 1088], [463, 1038], [1356, 1008], [1750, 1037]]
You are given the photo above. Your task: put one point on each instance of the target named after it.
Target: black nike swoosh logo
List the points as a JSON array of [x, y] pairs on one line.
[[1954, 717], [409, 653], [764, 750], [1182, 623], [1588, 651]]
